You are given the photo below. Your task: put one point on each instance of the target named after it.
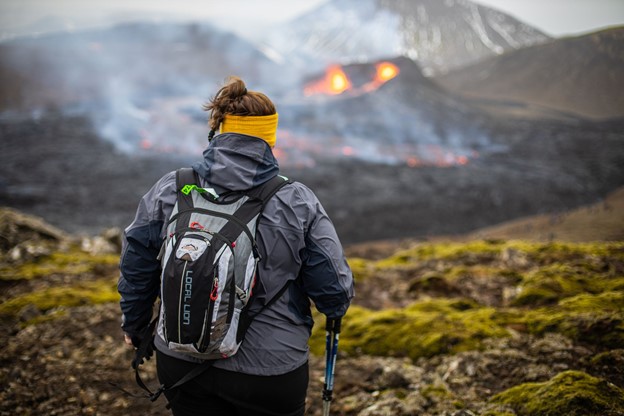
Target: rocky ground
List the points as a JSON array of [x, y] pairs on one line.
[[55, 165], [64, 347]]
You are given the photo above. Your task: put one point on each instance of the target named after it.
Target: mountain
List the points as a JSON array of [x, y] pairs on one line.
[[440, 35], [578, 74], [132, 62]]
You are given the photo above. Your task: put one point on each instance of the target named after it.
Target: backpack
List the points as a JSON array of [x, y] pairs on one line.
[[209, 267]]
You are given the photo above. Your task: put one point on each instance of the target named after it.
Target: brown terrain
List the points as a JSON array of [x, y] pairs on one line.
[[64, 349], [567, 76]]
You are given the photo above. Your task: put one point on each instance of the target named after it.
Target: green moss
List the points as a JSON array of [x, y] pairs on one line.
[[596, 255], [71, 263], [482, 271], [422, 329], [449, 281], [396, 260], [431, 282], [616, 284], [471, 252], [595, 319], [54, 314], [570, 393], [565, 252], [439, 326], [498, 413], [603, 302], [613, 359], [553, 282], [536, 296], [362, 269], [435, 391], [459, 404], [84, 293]]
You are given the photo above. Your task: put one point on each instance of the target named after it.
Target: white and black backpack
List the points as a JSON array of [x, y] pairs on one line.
[[209, 268]]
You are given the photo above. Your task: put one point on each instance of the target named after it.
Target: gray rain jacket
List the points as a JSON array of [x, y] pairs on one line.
[[295, 237]]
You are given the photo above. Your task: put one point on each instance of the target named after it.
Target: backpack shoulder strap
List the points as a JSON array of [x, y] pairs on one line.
[[265, 191], [186, 181], [257, 198], [260, 195]]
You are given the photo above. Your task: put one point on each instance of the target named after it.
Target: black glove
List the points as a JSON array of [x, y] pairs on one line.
[[144, 349]]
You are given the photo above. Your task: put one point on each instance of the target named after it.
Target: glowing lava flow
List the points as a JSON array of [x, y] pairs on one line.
[[386, 71], [336, 81]]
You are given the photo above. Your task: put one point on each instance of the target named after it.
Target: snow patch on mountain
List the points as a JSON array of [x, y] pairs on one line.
[[440, 35]]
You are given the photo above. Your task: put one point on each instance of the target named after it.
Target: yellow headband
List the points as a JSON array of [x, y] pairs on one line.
[[264, 127]]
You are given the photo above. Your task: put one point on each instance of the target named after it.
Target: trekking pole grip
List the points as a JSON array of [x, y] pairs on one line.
[[333, 325]]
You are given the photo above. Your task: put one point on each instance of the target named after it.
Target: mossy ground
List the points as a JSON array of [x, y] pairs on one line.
[[423, 329], [570, 393], [71, 262], [426, 303], [463, 294], [78, 294], [573, 289], [40, 289]]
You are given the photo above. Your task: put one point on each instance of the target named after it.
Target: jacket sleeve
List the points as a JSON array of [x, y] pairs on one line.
[[139, 281], [326, 276]]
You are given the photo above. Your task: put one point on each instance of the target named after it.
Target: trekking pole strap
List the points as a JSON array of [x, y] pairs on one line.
[[327, 395], [333, 325]]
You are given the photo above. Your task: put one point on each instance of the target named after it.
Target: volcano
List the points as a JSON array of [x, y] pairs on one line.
[[388, 112]]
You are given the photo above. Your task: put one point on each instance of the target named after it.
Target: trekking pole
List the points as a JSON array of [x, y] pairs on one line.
[[332, 334]]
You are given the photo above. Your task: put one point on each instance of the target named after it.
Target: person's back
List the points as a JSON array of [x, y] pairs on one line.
[[297, 244]]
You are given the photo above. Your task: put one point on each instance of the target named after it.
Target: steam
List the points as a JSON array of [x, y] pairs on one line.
[[143, 87]]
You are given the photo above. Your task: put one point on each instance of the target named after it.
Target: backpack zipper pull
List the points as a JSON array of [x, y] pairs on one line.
[[215, 288]]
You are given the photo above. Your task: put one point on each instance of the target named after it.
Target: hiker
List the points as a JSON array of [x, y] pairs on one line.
[[301, 257]]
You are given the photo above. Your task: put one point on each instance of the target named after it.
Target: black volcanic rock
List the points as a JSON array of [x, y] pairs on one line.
[[56, 167]]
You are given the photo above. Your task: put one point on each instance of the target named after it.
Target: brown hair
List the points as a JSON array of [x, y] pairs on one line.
[[234, 99]]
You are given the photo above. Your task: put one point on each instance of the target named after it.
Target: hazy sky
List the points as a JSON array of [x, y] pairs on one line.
[[555, 17], [563, 17]]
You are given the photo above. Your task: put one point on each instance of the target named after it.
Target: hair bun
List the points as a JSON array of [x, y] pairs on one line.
[[235, 88]]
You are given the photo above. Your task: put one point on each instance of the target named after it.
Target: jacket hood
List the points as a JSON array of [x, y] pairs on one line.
[[237, 162]]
